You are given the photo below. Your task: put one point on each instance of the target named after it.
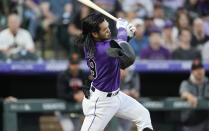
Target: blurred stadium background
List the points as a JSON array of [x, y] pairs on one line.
[[37, 38]]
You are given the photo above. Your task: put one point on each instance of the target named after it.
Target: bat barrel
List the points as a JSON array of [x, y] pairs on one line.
[[97, 8]]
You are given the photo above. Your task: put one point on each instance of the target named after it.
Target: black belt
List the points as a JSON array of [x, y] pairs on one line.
[[108, 94]]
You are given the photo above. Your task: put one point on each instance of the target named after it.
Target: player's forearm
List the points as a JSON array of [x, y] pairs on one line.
[[186, 95], [122, 34]]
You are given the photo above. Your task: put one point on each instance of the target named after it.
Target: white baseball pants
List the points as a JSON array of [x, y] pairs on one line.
[[99, 110]]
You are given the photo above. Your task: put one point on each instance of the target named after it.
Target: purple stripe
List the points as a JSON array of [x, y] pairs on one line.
[[94, 113]]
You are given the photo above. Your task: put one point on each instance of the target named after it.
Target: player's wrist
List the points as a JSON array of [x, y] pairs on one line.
[[121, 23], [130, 29]]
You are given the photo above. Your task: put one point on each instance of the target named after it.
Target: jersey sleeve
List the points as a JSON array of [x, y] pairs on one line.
[[122, 35], [184, 87]]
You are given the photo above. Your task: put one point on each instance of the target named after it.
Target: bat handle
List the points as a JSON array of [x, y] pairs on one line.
[[115, 19]]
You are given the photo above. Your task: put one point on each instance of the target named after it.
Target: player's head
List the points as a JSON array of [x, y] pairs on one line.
[[94, 28], [198, 70], [74, 65]]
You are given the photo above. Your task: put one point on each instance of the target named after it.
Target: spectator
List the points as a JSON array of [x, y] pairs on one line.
[[173, 4], [112, 6], [142, 7], [206, 27], [48, 17], [198, 38], [197, 86], [52, 11], [185, 51], [7, 99], [32, 13], [204, 6], [140, 41], [182, 20], [62, 33], [159, 15], [149, 23], [131, 14], [193, 8], [75, 27], [170, 7], [74, 30], [56, 7], [169, 37], [15, 39], [129, 85], [155, 51], [205, 52], [67, 14], [69, 85]]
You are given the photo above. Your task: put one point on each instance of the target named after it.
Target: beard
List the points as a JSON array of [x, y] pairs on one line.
[[199, 77]]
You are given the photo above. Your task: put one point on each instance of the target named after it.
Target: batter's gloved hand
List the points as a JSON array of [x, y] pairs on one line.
[[121, 23], [131, 29], [86, 91]]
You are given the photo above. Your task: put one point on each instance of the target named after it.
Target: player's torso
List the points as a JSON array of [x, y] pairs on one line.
[[105, 69]]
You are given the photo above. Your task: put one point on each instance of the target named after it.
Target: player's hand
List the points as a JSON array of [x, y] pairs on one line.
[[11, 99], [121, 23], [134, 94], [131, 29], [192, 100], [127, 92], [79, 96]]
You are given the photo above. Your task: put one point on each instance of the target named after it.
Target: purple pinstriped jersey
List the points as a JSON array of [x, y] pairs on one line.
[[105, 69]]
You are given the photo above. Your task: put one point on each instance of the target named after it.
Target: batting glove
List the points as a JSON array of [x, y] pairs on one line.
[[121, 23], [131, 29]]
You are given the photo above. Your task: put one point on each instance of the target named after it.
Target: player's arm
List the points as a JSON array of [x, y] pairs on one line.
[[190, 98], [185, 93], [123, 51], [125, 30]]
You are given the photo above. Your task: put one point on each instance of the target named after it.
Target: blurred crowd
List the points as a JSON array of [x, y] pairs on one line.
[[166, 29]]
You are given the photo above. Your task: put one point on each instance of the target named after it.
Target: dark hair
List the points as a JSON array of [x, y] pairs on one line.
[[178, 17], [185, 29], [90, 24]]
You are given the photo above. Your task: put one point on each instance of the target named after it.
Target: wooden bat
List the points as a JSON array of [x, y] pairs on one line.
[[97, 8]]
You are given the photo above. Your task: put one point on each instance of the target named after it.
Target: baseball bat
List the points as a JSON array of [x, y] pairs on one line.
[[97, 8]]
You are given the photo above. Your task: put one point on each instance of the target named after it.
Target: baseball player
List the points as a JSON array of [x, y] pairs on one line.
[[105, 57]]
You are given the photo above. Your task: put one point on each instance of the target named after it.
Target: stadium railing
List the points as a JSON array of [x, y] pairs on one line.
[[58, 66], [11, 109]]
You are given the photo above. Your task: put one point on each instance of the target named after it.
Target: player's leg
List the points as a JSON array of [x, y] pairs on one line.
[[98, 113], [132, 110]]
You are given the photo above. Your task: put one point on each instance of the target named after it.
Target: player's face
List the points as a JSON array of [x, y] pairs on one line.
[[74, 69], [104, 32], [199, 74]]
